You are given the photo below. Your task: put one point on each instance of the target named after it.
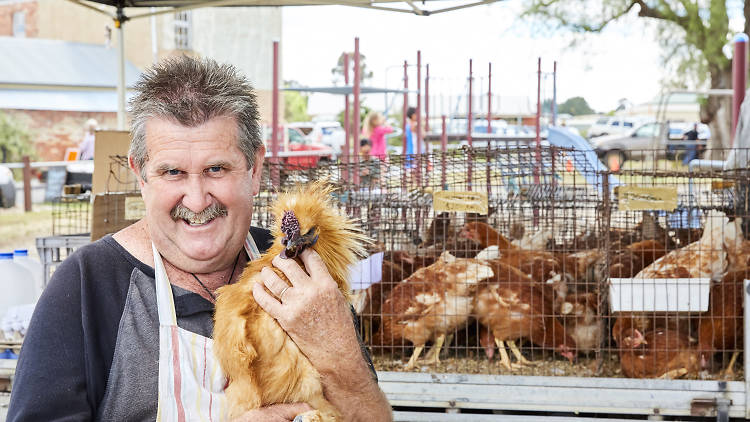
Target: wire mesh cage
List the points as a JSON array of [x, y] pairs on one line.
[[541, 261], [71, 212]]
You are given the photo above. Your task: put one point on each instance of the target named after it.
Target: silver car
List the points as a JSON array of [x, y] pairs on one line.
[[648, 140]]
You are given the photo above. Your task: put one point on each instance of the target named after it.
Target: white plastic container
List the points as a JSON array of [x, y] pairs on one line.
[[22, 258], [659, 294], [16, 284]]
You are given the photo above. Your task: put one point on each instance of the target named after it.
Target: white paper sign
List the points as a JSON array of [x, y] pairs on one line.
[[366, 272]]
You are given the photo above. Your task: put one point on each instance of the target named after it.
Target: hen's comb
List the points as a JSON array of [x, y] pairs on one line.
[[289, 224]]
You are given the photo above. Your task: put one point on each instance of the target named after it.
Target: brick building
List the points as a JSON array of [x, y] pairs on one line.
[[53, 87]]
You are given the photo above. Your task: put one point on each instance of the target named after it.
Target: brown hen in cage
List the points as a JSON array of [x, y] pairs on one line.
[[431, 303], [513, 307]]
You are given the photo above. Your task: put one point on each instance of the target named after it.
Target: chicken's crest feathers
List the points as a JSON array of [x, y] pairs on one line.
[[340, 243]]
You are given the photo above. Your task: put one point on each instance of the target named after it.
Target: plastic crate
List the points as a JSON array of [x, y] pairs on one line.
[[54, 249]]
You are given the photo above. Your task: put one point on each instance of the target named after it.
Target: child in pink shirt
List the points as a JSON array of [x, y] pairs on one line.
[[375, 130]]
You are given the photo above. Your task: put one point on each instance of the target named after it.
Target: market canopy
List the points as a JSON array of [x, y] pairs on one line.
[[172, 6], [407, 6]]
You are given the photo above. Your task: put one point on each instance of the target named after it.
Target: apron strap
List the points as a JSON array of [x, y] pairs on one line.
[[251, 248], [164, 298]]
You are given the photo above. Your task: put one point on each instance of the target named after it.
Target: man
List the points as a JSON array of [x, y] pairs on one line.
[[691, 150], [113, 336], [86, 147], [738, 162], [411, 122]]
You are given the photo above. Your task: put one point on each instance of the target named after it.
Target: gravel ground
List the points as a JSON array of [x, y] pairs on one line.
[[547, 366]]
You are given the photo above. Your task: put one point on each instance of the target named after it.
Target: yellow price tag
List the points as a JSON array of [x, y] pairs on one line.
[[460, 202]]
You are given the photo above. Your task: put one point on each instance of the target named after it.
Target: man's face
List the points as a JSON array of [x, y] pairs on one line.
[[191, 170]]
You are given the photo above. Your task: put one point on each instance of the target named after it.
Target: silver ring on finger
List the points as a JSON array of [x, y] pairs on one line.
[[281, 295]]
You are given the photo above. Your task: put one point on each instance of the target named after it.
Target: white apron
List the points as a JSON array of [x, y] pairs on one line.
[[191, 382]]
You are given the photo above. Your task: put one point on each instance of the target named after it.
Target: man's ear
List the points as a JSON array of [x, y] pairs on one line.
[[260, 155], [136, 171]]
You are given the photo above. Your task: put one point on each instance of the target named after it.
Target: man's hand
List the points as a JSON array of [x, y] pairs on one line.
[[275, 413], [317, 317], [313, 311]]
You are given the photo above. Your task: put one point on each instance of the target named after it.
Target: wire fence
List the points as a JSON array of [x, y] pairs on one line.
[[532, 261]]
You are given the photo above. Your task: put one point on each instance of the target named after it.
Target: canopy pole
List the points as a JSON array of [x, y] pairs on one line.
[[119, 21]]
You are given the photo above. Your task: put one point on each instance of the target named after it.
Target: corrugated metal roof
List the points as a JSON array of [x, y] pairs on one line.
[[33, 61], [63, 100]]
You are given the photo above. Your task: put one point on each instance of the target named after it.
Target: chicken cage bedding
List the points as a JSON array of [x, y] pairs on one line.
[[523, 287]]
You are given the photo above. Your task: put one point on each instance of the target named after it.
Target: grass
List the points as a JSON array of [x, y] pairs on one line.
[[19, 230]]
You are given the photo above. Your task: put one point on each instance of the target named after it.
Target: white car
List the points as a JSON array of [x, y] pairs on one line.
[[328, 133], [7, 188], [613, 125]]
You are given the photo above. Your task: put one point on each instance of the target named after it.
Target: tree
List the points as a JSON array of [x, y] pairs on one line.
[[575, 106], [295, 104], [694, 35], [15, 140], [338, 71]]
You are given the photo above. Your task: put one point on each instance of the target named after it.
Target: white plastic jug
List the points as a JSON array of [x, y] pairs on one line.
[[22, 258], [16, 284]]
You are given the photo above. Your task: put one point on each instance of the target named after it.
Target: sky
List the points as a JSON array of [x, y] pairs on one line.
[[621, 62]]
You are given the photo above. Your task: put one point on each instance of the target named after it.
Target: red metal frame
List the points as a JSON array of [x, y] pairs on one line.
[[356, 109], [347, 124], [489, 100], [427, 101], [469, 129], [275, 116], [739, 79], [406, 104], [418, 133]]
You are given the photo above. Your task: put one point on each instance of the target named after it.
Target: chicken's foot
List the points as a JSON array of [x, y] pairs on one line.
[[728, 372], [517, 353], [504, 358], [674, 374], [414, 357], [434, 355]]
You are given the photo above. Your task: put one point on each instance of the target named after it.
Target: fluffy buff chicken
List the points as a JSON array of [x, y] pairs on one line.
[[263, 365], [514, 307], [706, 258], [431, 303]]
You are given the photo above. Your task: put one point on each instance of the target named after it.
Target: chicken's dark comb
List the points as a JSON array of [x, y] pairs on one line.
[[289, 224]]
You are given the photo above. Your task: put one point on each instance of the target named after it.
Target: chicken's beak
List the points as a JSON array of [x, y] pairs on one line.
[[299, 243]]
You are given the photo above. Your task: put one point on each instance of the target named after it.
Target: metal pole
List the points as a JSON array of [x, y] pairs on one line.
[[120, 70], [489, 101], [418, 132], [356, 110], [27, 183], [468, 112], [275, 180], [468, 129], [406, 104], [427, 102], [746, 328], [347, 124], [154, 42], [554, 94], [444, 153], [538, 118], [739, 77]]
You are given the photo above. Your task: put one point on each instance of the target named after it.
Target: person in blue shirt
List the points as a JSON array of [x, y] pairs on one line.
[[411, 121]]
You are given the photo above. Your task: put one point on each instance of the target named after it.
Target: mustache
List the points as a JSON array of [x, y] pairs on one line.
[[209, 213]]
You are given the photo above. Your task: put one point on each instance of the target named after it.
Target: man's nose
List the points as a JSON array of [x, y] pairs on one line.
[[196, 197]]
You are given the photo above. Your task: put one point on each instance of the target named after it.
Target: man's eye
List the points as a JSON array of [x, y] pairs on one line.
[[214, 169], [172, 172]]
